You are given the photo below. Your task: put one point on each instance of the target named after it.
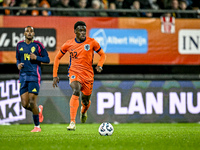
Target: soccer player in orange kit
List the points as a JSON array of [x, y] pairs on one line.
[[80, 71]]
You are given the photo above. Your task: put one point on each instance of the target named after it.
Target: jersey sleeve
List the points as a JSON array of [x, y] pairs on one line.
[[99, 50], [17, 55], [60, 54], [102, 58], [64, 47], [97, 46], [44, 57]]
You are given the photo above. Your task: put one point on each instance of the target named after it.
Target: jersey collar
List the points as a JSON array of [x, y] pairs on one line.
[[81, 41]]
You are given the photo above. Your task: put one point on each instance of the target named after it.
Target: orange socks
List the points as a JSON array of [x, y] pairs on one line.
[[85, 108], [74, 103]]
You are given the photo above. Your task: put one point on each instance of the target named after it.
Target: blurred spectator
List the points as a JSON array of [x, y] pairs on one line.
[[33, 4], [45, 4], [120, 4], [168, 15], [153, 4], [13, 2], [174, 5], [148, 4], [196, 4], [105, 3], [82, 5], [135, 6], [64, 4], [22, 12], [96, 4], [148, 14], [53, 3], [112, 6], [184, 6], [144, 4], [190, 2], [7, 3], [19, 2], [163, 4]]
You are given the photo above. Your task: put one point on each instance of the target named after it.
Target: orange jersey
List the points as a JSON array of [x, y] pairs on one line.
[[81, 57]]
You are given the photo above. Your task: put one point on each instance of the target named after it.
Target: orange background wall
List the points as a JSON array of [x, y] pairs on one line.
[[162, 48]]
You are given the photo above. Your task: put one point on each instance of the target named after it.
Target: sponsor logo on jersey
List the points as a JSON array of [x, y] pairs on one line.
[[73, 77], [21, 49]]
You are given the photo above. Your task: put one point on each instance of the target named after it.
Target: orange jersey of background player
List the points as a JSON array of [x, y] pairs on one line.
[[81, 57]]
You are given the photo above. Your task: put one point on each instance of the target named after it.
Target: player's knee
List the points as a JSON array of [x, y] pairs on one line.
[[32, 103], [86, 99], [76, 92], [85, 102], [24, 104]]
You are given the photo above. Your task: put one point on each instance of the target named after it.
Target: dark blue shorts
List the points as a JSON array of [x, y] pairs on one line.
[[29, 86]]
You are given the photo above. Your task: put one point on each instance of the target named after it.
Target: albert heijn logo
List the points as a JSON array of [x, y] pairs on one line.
[[9, 37], [189, 41]]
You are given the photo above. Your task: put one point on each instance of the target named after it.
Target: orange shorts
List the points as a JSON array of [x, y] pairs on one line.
[[86, 85]]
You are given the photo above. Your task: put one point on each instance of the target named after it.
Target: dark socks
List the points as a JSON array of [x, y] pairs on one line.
[[36, 120]]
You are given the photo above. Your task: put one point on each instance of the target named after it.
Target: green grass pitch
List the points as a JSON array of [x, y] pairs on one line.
[[131, 136]]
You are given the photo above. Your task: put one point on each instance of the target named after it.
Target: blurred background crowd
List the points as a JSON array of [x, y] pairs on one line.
[[102, 5]]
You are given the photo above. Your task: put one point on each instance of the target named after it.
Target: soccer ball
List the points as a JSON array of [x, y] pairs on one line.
[[106, 129]]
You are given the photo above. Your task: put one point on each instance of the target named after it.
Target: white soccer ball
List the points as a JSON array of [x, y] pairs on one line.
[[106, 129]]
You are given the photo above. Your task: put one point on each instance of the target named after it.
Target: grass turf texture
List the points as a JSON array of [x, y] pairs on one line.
[[126, 136]]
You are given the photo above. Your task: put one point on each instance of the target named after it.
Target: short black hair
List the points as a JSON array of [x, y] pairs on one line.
[[79, 23]]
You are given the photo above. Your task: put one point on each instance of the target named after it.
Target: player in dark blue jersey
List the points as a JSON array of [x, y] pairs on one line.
[[30, 54]]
